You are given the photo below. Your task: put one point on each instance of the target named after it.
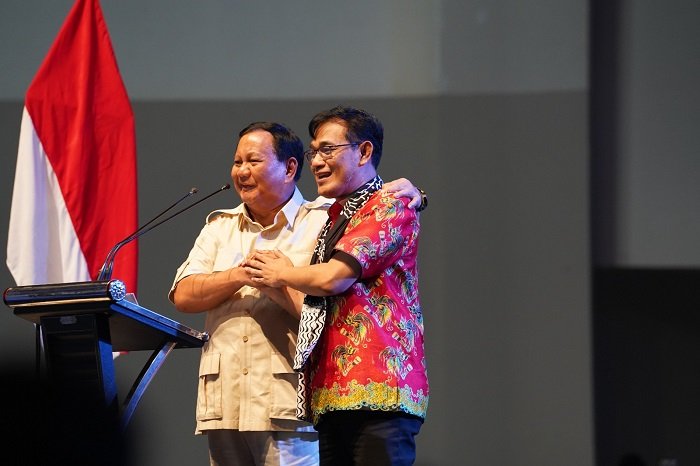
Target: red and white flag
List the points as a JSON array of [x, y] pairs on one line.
[[75, 191]]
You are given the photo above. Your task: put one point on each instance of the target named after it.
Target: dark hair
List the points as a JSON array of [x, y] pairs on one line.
[[360, 125], [286, 144]]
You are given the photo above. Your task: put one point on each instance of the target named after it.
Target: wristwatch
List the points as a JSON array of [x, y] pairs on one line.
[[423, 201]]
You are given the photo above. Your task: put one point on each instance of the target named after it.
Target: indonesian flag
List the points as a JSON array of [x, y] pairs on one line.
[[75, 185]]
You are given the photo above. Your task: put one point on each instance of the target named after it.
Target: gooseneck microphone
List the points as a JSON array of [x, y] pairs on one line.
[[190, 193], [106, 270]]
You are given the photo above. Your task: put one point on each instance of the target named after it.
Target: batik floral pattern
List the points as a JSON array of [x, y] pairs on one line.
[[371, 354]]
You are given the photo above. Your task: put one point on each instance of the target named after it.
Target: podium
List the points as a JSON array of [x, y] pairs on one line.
[[81, 324]]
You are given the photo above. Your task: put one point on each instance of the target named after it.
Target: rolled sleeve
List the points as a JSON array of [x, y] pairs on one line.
[[202, 257]]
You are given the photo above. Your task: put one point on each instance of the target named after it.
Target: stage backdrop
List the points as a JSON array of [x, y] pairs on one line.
[[485, 106]]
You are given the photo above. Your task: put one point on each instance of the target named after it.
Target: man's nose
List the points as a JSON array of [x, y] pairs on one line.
[[317, 161]]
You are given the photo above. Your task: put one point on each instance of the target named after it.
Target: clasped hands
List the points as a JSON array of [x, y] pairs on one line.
[[263, 267]]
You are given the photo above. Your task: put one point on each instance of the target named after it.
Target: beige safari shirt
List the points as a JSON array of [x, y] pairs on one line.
[[246, 380]]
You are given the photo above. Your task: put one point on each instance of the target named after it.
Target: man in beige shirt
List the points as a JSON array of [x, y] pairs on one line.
[[246, 402]]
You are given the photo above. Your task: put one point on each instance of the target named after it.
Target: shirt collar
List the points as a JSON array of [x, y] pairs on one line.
[[289, 211], [335, 210], [291, 208]]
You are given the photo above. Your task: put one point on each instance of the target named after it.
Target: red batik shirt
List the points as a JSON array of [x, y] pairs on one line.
[[370, 355]]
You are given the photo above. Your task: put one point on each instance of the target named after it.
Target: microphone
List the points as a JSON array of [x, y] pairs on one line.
[[190, 193], [106, 270]]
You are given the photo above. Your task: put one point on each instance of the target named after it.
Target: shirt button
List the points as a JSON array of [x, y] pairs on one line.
[[245, 371], [245, 338]]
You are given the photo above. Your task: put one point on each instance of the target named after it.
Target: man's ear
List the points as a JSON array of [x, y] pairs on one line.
[[292, 167], [366, 149]]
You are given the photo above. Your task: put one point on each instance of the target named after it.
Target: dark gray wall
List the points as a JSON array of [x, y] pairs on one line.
[[645, 198], [504, 247], [647, 351]]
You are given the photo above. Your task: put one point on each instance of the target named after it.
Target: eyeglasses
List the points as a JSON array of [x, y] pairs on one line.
[[326, 152]]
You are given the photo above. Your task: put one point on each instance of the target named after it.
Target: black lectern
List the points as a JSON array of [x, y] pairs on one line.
[[83, 323]]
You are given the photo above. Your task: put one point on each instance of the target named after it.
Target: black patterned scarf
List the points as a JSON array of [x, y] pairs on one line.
[[314, 309]]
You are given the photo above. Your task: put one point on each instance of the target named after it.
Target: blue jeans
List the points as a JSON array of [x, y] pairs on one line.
[[365, 438]]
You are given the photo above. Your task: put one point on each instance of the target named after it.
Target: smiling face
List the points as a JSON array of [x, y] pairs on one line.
[[347, 169], [263, 182]]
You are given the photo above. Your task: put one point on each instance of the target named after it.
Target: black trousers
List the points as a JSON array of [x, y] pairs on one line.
[[367, 438]]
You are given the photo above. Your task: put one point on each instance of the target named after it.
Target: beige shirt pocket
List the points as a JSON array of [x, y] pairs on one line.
[[283, 389], [227, 258], [209, 405]]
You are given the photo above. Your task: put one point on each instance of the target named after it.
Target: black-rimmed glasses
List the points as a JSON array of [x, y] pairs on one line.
[[326, 152]]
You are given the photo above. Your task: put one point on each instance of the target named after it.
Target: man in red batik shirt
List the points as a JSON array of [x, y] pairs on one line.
[[360, 345]]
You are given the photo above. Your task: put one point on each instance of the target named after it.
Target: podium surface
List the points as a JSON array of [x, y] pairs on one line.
[[132, 327]]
